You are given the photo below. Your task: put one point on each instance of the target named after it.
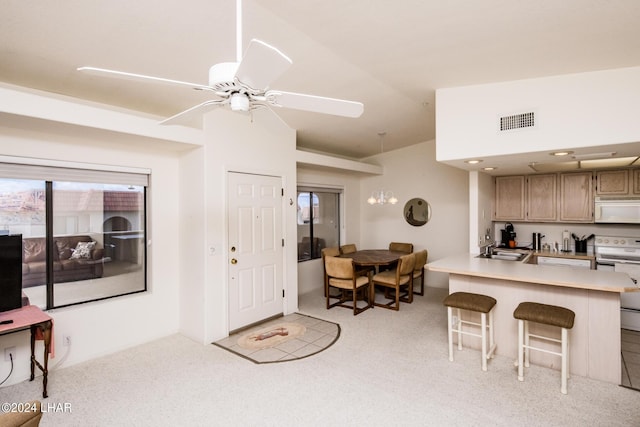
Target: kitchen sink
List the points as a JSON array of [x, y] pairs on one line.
[[505, 256]]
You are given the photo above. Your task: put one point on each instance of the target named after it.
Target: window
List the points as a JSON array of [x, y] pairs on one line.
[[318, 221], [83, 232]]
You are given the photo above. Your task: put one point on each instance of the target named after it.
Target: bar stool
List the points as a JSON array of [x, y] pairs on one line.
[[471, 302], [548, 315]]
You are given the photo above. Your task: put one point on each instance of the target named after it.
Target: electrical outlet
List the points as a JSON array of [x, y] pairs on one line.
[[8, 351], [66, 340]]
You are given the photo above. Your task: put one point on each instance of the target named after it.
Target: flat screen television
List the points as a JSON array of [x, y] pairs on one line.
[[10, 272]]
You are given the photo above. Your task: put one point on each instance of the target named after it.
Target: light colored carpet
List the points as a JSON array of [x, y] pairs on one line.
[[387, 369]]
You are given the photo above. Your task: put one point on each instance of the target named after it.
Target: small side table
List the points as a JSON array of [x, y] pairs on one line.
[[40, 324]]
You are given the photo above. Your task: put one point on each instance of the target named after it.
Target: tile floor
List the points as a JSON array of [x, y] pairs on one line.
[[631, 359], [320, 334]]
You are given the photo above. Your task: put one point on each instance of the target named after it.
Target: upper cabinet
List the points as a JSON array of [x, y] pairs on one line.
[[612, 183], [542, 201], [554, 197], [576, 197], [509, 198], [625, 182]]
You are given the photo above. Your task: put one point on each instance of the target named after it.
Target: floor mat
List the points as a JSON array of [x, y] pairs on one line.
[[291, 337]]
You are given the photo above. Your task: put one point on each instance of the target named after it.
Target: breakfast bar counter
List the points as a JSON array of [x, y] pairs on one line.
[[593, 295]]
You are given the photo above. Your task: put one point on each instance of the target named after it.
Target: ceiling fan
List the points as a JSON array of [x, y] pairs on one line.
[[244, 84]]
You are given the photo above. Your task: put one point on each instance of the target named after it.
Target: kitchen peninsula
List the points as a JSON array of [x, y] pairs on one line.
[[593, 295]]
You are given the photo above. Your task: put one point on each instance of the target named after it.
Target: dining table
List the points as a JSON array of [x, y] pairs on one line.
[[374, 257]]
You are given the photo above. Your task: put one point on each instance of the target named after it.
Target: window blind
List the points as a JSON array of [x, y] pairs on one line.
[[59, 172]]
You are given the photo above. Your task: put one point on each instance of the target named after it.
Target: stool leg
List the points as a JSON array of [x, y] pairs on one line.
[[450, 331], [563, 387], [492, 341], [520, 350], [483, 325], [526, 343], [459, 326]]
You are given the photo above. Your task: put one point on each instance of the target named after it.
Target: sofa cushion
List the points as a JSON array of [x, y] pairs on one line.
[[64, 248], [34, 250], [41, 267], [83, 250]]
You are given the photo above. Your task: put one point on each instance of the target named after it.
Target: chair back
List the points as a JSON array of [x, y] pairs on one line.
[[401, 247], [406, 264], [421, 259], [333, 251], [339, 268], [348, 249]]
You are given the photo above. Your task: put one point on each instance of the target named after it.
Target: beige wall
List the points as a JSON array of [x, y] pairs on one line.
[[107, 326], [414, 172], [409, 172], [574, 110], [258, 144]]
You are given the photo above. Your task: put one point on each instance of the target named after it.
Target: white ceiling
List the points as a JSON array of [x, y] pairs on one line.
[[389, 54]]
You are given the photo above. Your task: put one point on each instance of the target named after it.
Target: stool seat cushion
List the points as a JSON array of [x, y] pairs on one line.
[[469, 301], [545, 314]]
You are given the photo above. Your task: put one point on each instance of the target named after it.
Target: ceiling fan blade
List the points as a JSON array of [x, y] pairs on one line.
[[185, 116], [261, 65], [316, 104], [141, 77]]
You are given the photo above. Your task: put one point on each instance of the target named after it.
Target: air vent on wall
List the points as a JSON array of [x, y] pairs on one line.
[[517, 121]]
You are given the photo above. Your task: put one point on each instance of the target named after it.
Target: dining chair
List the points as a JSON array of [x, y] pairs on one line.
[[333, 251], [348, 248], [342, 274], [418, 270], [394, 279], [401, 247]]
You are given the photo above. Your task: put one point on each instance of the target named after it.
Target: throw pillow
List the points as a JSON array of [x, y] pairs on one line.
[[83, 250]]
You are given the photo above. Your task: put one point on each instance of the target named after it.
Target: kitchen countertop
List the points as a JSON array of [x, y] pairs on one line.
[[598, 280]]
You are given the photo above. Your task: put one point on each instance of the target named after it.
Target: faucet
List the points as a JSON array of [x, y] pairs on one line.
[[488, 249]]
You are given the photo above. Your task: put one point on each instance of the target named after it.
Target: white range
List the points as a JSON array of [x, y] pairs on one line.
[[622, 254]]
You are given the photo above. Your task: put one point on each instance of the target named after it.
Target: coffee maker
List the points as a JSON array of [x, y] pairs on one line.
[[507, 235]]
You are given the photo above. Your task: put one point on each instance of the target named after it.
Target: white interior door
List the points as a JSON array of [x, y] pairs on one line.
[[255, 248]]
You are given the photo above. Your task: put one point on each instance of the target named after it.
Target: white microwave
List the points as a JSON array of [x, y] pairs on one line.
[[617, 210]]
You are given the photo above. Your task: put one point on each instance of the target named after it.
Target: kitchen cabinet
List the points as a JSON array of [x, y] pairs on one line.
[[509, 198], [612, 182], [635, 183], [576, 197], [542, 202]]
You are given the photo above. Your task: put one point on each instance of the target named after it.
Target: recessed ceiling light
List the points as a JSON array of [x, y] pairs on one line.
[[473, 162], [489, 168], [561, 153]]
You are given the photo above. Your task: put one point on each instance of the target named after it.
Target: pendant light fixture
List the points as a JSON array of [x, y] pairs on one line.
[[382, 196]]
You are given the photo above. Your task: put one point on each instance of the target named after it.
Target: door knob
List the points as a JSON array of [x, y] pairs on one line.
[[234, 261]]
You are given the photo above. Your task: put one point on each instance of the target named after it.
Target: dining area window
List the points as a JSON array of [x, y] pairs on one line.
[[318, 221]]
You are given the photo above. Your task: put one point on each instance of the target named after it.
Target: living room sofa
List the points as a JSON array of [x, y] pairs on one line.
[[74, 258]]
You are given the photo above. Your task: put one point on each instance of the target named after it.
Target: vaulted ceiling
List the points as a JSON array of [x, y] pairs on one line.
[[389, 54]]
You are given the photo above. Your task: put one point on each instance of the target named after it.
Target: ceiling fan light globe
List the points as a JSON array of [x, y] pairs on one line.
[[239, 102]]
